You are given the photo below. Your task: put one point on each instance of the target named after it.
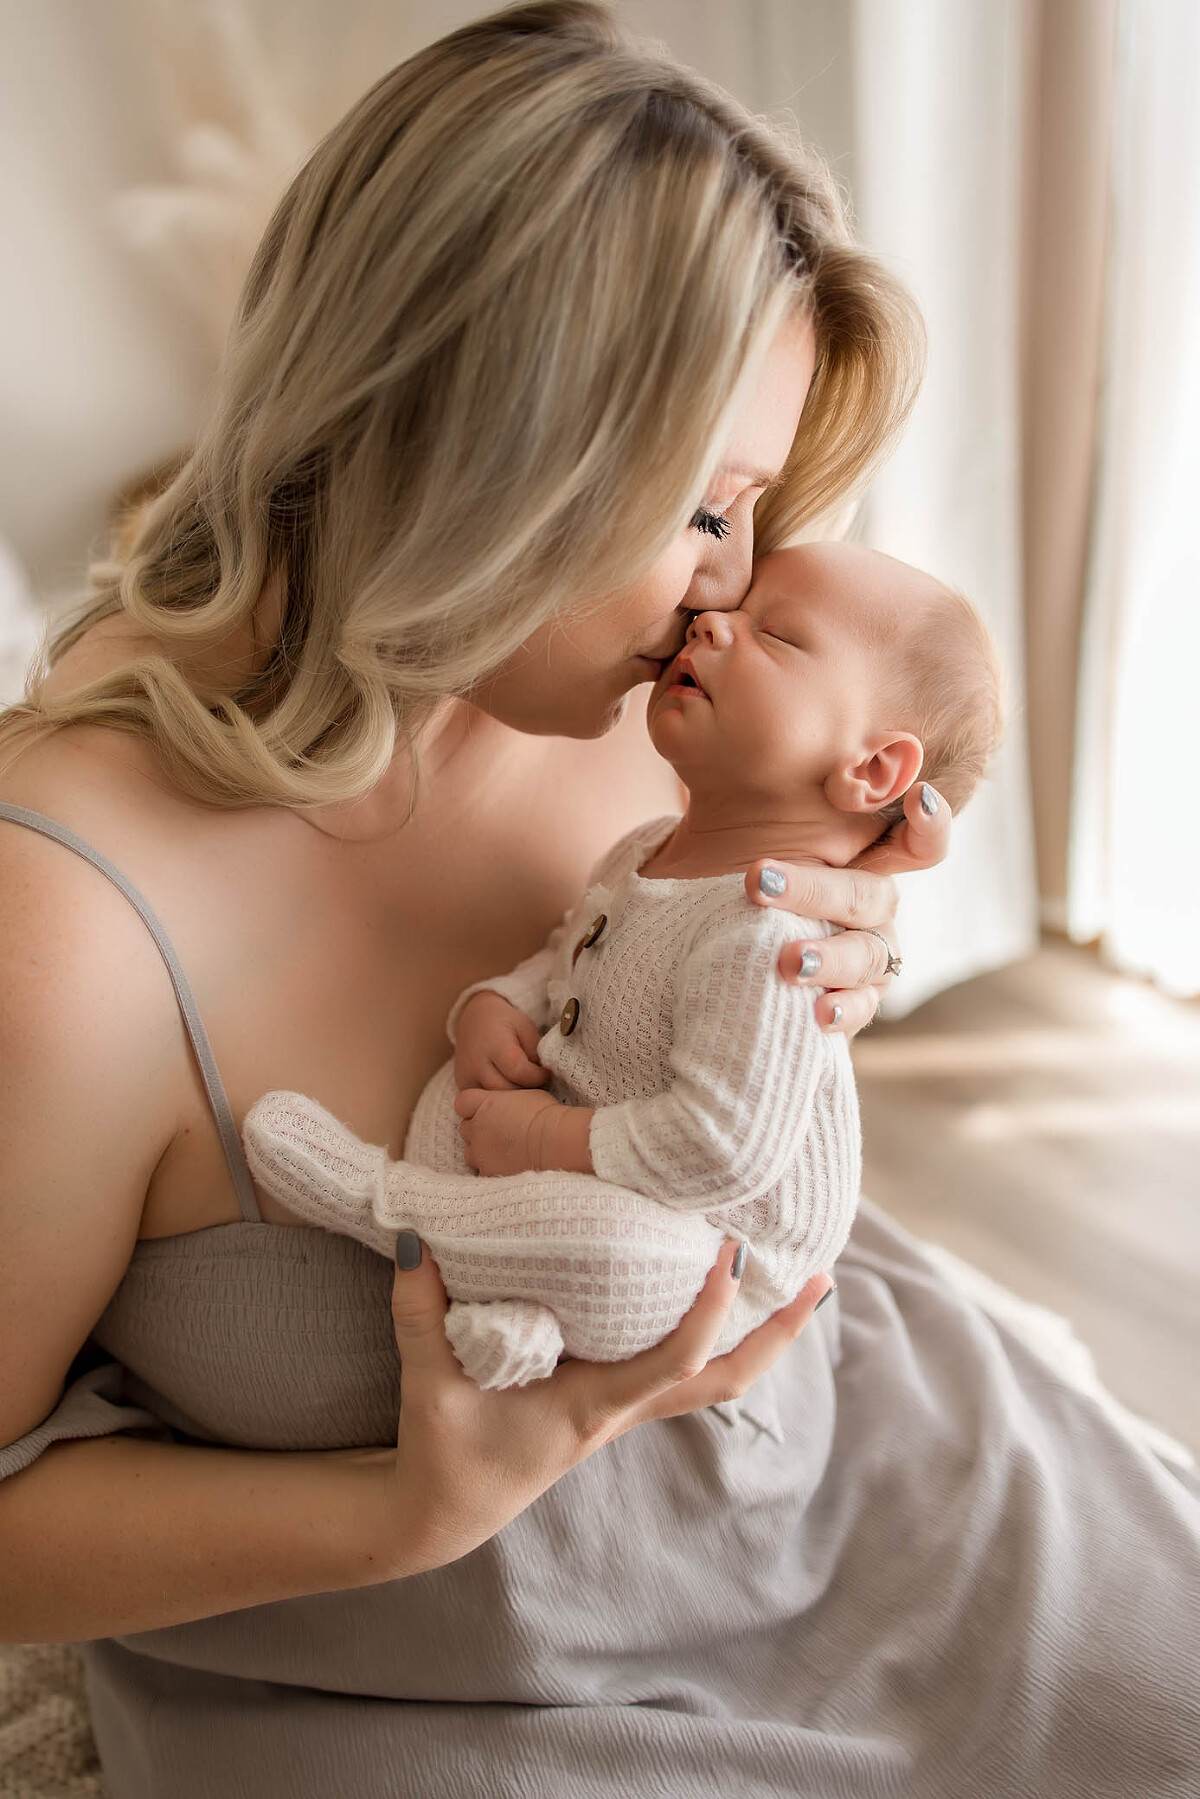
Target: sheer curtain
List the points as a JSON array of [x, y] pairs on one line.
[[1135, 848], [939, 118]]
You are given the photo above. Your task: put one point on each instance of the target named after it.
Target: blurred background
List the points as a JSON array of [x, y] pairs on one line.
[[1032, 168]]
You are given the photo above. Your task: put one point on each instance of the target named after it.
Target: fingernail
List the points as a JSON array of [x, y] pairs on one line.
[[810, 963], [825, 1296], [738, 1263], [408, 1251], [772, 883], [929, 800], [835, 1017]]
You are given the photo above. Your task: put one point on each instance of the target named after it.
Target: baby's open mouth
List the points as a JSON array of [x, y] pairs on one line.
[[684, 675]]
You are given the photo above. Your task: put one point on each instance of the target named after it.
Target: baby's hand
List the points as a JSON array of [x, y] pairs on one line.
[[502, 1133], [496, 1046]]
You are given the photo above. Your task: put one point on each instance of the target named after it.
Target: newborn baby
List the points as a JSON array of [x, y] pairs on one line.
[[645, 1085]]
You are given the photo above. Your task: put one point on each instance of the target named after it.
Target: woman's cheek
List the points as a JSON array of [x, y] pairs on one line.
[[673, 576]]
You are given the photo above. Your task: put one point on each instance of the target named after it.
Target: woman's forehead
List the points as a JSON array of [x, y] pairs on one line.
[[764, 426]]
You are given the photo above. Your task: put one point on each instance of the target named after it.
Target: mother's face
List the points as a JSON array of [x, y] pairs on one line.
[[571, 677]]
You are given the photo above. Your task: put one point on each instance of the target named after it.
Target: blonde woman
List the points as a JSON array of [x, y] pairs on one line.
[[542, 344]]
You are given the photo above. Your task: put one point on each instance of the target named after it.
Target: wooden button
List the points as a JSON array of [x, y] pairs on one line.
[[594, 931], [570, 1017]]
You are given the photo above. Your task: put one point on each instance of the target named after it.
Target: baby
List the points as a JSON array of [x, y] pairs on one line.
[[645, 1085]]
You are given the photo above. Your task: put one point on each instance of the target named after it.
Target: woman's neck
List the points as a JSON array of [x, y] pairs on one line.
[[458, 750]]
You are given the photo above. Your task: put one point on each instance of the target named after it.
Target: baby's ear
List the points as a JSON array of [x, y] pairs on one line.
[[887, 769]]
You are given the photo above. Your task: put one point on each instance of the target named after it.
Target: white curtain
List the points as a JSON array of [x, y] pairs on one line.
[[1135, 852], [938, 159]]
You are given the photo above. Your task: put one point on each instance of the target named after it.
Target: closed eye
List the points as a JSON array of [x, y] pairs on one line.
[[711, 524]]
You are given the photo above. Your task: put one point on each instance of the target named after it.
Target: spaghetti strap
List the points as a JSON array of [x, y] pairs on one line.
[[194, 1024]]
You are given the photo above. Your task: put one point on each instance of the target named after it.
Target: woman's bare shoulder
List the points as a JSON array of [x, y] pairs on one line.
[[87, 1107]]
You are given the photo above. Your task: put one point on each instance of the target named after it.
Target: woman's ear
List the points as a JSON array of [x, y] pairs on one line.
[[888, 769]]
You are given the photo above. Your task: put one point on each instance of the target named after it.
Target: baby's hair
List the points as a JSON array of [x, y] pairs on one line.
[[951, 686]]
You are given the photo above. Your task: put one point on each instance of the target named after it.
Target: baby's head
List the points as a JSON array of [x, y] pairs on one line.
[[843, 675]]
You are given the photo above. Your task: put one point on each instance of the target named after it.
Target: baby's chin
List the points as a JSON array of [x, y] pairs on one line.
[[662, 738]]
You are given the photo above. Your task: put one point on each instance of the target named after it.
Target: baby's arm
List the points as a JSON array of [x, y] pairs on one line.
[[496, 1044], [748, 1059]]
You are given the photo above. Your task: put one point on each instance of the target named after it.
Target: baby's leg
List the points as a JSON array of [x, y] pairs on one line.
[[617, 1270], [433, 1138]]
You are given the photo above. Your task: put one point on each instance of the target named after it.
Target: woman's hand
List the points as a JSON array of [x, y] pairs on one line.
[[852, 967], [468, 1460]]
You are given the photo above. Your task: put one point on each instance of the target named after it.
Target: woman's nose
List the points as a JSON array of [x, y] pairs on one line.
[[713, 628]]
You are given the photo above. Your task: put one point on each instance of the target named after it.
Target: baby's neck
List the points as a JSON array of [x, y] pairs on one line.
[[708, 842]]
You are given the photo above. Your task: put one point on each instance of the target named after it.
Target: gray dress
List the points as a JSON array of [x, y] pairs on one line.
[[913, 1561]]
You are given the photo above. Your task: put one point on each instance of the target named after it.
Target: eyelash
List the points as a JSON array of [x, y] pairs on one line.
[[712, 524]]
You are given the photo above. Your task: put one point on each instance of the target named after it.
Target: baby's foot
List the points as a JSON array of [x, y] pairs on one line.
[[318, 1169], [504, 1342]]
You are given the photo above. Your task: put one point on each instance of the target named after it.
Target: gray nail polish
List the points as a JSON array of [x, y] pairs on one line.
[[408, 1251], [739, 1262], [825, 1296], [772, 883], [835, 1017], [929, 801], [810, 962]]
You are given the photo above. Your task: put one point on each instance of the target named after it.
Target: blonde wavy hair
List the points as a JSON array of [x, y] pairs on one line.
[[477, 378]]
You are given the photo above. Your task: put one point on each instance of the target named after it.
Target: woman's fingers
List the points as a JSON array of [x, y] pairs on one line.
[[419, 1306], [631, 1386], [851, 967], [922, 841], [855, 899], [850, 959], [847, 1010], [730, 1375]]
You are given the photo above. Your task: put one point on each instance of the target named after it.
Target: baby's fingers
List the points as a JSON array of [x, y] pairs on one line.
[[517, 1067]]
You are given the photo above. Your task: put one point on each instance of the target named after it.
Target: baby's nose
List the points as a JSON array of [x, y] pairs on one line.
[[713, 628]]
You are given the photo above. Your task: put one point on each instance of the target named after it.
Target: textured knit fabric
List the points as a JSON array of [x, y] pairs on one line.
[[718, 1097], [916, 1563]]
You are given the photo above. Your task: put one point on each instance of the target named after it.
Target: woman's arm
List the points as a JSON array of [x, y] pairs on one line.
[[113, 1534]]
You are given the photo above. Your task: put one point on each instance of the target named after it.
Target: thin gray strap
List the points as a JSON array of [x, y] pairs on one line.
[[205, 1060]]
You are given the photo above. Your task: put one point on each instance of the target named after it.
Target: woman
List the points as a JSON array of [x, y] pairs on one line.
[[542, 341]]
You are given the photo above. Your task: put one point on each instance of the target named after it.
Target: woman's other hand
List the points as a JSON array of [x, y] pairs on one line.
[[468, 1460], [852, 966]]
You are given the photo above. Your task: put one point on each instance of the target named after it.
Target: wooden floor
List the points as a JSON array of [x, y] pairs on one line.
[[1043, 1123]]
